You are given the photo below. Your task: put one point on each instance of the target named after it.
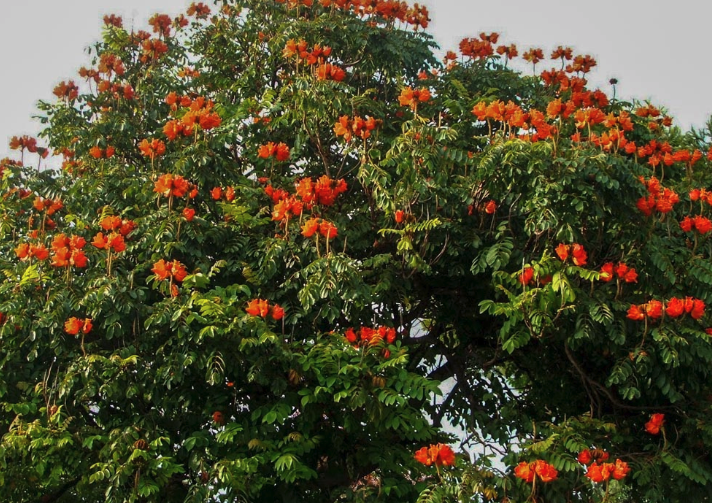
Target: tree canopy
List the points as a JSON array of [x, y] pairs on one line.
[[290, 250]]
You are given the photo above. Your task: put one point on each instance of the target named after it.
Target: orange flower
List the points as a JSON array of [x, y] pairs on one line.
[[562, 251], [606, 273], [327, 229], [39, 251], [580, 255], [526, 276], [310, 227], [437, 454], [169, 184], [216, 193], [524, 471], [545, 471], [218, 418], [490, 207], [110, 223], [152, 148], [72, 326], [279, 151], [277, 312], [164, 270], [654, 309], [411, 97], [635, 313], [655, 423], [189, 213], [399, 216]]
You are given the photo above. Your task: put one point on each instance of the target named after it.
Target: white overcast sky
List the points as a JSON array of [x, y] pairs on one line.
[[657, 50]]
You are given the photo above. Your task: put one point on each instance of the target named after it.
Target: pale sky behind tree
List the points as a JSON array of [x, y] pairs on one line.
[[657, 50]]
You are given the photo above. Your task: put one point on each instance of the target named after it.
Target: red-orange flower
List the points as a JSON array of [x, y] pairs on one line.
[[490, 207], [74, 325], [279, 151], [437, 454], [526, 276], [655, 423], [169, 184], [635, 313], [165, 270], [562, 251], [411, 97], [152, 148]]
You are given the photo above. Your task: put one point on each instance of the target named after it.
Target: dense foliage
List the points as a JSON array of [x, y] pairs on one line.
[[287, 247]]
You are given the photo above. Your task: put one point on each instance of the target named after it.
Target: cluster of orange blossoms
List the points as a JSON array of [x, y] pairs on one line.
[[600, 471], [199, 10], [659, 198], [325, 71], [673, 308], [701, 195], [74, 325], [436, 454], [200, 113], [169, 270], [279, 151], [577, 252], [328, 71], [478, 48], [655, 423], [513, 115], [152, 148], [174, 185], [358, 126], [299, 50], [325, 228], [50, 206], [23, 142], [323, 192], [262, 308], [67, 90], [113, 20], [27, 251], [97, 153], [370, 336], [527, 276], [152, 50], [539, 469], [490, 207], [701, 224], [411, 97], [622, 271], [389, 10], [118, 229], [218, 193], [68, 251]]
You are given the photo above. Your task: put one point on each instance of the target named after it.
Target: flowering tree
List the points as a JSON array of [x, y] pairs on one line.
[[287, 245]]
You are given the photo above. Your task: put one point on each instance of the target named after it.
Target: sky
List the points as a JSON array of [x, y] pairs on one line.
[[657, 50]]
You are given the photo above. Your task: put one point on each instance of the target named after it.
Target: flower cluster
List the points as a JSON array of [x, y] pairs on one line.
[[701, 224], [117, 229], [68, 251], [152, 50], [67, 90], [23, 142], [325, 228], [655, 423], [200, 113], [174, 185], [262, 308], [411, 97], [386, 10], [218, 193], [27, 251], [199, 10], [152, 148], [577, 252], [514, 116], [673, 308], [539, 468], [659, 198], [598, 470], [323, 192], [279, 151], [622, 271], [358, 126], [50, 206], [370, 336], [328, 71], [74, 325], [479, 48], [298, 50], [436, 454]]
